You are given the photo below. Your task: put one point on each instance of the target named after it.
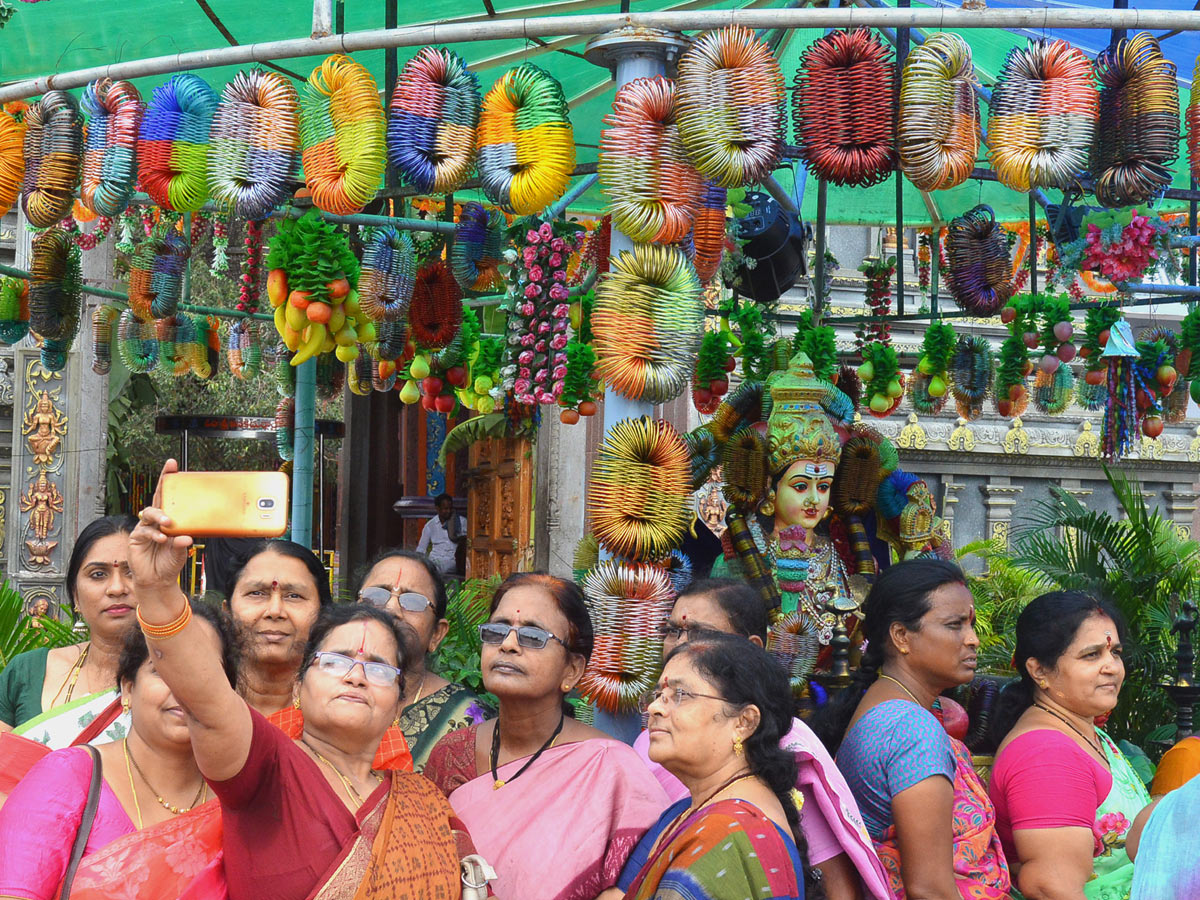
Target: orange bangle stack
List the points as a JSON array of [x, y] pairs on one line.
[[162, 632]]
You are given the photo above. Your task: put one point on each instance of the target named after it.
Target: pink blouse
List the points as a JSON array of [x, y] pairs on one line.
[[40, 820], [1043, 779]]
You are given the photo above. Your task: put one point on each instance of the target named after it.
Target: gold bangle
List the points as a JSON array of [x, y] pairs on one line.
[[162, 632]]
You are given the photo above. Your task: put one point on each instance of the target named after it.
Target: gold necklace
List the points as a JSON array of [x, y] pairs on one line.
[[201, 792], [354, 796], [420, 688], [1095, 747], [132, 787], [903, 688], [72, 675]]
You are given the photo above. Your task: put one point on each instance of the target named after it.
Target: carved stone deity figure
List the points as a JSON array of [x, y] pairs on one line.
[[44, 427]]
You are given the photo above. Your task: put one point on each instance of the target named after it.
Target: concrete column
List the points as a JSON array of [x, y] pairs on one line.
[[999, 499], [561, 477], [1181, 509]]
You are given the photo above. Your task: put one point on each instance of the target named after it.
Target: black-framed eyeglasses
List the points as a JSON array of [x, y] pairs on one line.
[[410, 601], [674, 632], [528, 636], [339, 666], [672, 697]]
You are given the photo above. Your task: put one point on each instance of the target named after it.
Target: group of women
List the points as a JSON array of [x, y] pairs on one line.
[[291, 748]]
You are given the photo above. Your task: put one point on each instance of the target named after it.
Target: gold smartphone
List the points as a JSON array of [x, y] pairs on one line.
[[226, 504]]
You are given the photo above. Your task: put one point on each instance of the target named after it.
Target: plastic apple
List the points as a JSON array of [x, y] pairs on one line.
[[1004, 408], [730, 364], [1016, 392], [457, 376], [431, 385], [1007, 315], [1049, 364], [1102, 338], [1166, 376], [1066, 352], [1152, 426], [1063, 331], [1095, 377], [444, 403], [587, 408], [719, 387], [1027, 367], [1032, 339], [568, 416]]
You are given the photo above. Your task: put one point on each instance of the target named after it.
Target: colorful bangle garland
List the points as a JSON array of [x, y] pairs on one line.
[[526, 143], [156, 275], [842, 108], [433, 120], [285, 426], [435, 312], [1137, 137], [653, 191], [478, 249], [729, 106], [137, 342], [939, 114], [53, 158], [647, 323], [980, 278], [1192, 115], [255, 142], [388, 274], [243, 350], [173, 145], [1042, 116], [55, 295], [14, 309], [103, 319], [342, 132], [708, 233], [114, 110], [12, 160]]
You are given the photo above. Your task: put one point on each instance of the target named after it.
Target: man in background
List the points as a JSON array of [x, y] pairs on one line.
[[442, 535]]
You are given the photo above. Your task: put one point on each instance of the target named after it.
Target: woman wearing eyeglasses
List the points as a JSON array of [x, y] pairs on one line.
[[716, 720], [555, 805], [838, 843], [310, 818], [409, 586]]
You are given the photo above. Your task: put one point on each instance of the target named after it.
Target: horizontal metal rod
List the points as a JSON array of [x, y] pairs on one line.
[[1075, 307], [295, 212], [1141, 287], [1088, 185], [1185, 240], [555, 26], [110, 294]]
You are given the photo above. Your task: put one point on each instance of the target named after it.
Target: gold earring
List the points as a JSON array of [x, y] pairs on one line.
[[904, 651], [737, 746], [1043, 685], [767, 507], [125, 704], [396, 721], [296, 703]]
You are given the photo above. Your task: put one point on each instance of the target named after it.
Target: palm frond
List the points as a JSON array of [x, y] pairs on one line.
[[475, 429], [20, 632]]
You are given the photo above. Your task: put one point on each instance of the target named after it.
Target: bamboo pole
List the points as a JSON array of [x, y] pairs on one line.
[[553, 26]]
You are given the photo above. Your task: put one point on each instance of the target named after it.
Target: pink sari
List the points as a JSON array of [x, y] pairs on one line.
[[565, 829]]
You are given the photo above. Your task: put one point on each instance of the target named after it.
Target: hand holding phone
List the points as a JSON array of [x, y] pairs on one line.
[[225, 504]]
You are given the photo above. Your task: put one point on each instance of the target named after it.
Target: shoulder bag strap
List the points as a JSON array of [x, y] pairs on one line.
[[85, 824]]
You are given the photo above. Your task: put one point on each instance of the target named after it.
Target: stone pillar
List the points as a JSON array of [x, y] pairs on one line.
[[1181, 509], [950, 498], [999, 499], [558, 520]]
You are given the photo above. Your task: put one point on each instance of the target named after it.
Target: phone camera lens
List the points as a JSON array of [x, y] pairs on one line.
[[266, 503]]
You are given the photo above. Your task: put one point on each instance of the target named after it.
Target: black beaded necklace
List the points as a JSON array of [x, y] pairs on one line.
[[496, 782]]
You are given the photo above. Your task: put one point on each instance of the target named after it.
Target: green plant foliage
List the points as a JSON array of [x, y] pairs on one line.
[[1141, 564], [314, 252], [474, 429], [937, 348], [1189, 340], [710, 362], [1000, 593], [457, 658], [20, 633], [1011, 369]]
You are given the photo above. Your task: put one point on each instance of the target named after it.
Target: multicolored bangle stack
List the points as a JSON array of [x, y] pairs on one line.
[[173, 143], [53, 158], [342, 132], [243, 350], [55, 295], [137, 342], [114, 110], [708, 233], [980, 278], [255, 141], [389, 271], [478, 249], [526, 143], [103, 319], [938, 135], [435, 312], [432, 121], [12, 160]]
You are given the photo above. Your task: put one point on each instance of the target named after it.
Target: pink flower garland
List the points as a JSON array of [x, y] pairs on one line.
[[1124, 260], [540, 317]]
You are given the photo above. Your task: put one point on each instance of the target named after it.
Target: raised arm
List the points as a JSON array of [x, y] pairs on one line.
[[219, 720]]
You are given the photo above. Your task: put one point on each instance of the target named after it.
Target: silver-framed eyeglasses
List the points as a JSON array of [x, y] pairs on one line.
[[529, 636], [410, 601], [672, 697], [339, 665]]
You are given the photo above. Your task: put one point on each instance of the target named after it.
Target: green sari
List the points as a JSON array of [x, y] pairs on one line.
[[21, 705], [431, 718], [1113, 876]]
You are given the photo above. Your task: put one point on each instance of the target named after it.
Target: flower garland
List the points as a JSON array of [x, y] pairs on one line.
[[87, 240], [924, 260], [879, 301], [539, 314], [251, 266], [1120, 245], [220, 246]]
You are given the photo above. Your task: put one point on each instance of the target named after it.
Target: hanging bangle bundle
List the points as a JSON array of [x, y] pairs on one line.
[[708, 232], [526, 143], [12, 160], [795, 642], [627, 601], [342, 132], [478, 249], [358, 374], [729, 106], [243, 350], [435, 312], [173, 143], [103, 319], [1192, 115], [55, 295], [114, 110], [331, 376], [653, 191], [1137, 137], [432, 121], [971, 373], [639, 500], [647, 323], [389, 270], [53, 158], [285, 426], [170, 629], [137, 342], [842, 108], [980, 278], [255, 140], [1042, 116], [14, 309], [938, 135]]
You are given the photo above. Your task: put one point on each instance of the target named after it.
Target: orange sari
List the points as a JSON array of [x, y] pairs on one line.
[[393, 752]]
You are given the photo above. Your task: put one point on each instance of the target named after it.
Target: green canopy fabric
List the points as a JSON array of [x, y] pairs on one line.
[[60, 35]]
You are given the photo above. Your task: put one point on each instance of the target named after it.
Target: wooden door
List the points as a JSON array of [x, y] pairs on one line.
[[499, 507]]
